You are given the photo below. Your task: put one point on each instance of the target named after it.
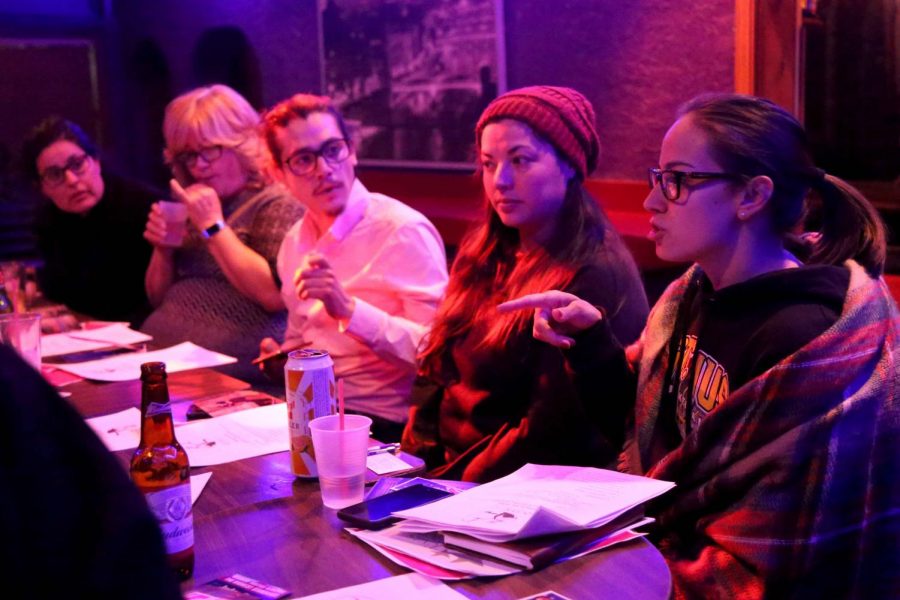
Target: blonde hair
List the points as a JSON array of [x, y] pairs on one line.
[[214, 116]]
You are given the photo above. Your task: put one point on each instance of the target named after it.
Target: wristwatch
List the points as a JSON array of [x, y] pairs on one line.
[[213, 229]]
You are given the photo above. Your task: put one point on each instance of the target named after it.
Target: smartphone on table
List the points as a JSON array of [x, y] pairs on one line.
[[375, 513]]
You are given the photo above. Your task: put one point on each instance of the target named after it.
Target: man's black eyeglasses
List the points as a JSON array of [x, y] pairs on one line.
[[671, 180], [304, 162]]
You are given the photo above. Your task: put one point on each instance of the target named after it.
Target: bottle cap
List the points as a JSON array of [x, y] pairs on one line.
[[153, 368]]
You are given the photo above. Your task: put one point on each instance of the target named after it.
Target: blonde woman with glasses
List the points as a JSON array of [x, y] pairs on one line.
[[217, 286]]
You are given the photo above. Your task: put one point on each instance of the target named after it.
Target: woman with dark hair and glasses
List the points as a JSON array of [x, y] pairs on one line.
[[218, 286], [767, 379], [89, 233]]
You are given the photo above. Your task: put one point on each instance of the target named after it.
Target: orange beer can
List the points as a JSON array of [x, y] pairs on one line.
[[309, 389]]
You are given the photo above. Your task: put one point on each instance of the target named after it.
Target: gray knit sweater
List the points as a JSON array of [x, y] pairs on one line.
[[201, 306]]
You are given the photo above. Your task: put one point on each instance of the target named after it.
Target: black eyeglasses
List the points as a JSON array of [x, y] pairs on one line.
[[670, 180], [189, 158], [78, 164], [304, 162]]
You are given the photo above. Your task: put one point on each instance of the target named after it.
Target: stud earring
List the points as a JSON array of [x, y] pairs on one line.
[[742, 215]]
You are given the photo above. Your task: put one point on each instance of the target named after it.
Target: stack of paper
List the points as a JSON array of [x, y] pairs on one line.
[[531, 518], [536, 500], [538, 552]]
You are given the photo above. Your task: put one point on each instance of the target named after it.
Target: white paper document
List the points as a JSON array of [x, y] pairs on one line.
[[125, 367], [386, 462], [235, 436], [118, 431], [198, 482], [536, 500], [84, 340], [411, 585], [231, 437], [429, 547]]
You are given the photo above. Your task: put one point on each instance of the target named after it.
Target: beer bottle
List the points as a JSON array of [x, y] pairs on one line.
[[159, 468]]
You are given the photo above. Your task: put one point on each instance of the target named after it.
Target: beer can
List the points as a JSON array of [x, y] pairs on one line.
[[309, 389]]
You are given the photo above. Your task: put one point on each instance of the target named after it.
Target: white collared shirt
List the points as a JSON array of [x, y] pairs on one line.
[[391, 260]]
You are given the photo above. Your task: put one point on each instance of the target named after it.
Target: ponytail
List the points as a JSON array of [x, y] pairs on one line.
[[850, 227], [754, 136]]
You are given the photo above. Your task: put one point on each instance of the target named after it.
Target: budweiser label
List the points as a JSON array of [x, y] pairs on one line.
[[172, 507]]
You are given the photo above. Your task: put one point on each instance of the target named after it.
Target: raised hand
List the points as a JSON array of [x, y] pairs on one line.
[[315, 280], [203, 204], [557, 316]]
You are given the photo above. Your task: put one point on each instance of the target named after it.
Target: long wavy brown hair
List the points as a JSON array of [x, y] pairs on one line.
[[491, 268]]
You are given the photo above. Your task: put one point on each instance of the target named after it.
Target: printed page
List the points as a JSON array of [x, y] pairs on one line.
[[411, 585], [125, 367], [235, 436], [232, 437], [538, 499], [386, 462], [430, 548], [118, 431], [84, 340]]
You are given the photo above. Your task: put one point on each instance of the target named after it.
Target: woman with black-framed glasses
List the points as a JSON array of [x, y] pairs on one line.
[[89, 232], [216, 285], [767, 374]]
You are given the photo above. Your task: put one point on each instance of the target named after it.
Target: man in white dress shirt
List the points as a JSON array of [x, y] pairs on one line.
[[361, 273]]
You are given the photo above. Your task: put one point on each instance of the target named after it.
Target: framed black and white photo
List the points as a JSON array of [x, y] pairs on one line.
[[413, 75]]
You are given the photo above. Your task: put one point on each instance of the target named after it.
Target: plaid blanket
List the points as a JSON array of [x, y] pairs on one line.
[[791, 488]]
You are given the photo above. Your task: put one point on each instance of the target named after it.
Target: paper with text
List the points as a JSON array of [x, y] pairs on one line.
[[537, 500], [118, 431], [84, 340], [411, 585], [429, 547], [386, 462], [125, 367], [235, 436]]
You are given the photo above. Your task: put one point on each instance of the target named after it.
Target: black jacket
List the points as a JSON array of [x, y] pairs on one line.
[[71, 522], [95, 263]]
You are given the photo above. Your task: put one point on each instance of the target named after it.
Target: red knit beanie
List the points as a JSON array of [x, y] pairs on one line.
[[561, 115]]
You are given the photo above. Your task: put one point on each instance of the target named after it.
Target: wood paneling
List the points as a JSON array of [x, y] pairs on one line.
[[768, 51]]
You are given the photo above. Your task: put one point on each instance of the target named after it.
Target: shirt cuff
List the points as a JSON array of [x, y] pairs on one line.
[[364, 323]]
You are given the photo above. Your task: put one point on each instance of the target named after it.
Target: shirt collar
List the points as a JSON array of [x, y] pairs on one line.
[[353, 212]]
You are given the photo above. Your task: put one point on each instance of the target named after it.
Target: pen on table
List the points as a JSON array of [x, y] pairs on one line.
[[283, 353], [262, 359], [383, 448]]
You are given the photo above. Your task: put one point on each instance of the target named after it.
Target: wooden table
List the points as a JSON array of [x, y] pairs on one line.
[[257, 519]]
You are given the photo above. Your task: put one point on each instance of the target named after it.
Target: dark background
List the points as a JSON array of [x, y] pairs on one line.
[[112, 65]]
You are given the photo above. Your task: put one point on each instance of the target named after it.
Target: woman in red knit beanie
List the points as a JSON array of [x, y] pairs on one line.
[[489, 397]]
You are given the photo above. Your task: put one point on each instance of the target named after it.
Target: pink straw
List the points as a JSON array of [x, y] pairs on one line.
[[341, 403]]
